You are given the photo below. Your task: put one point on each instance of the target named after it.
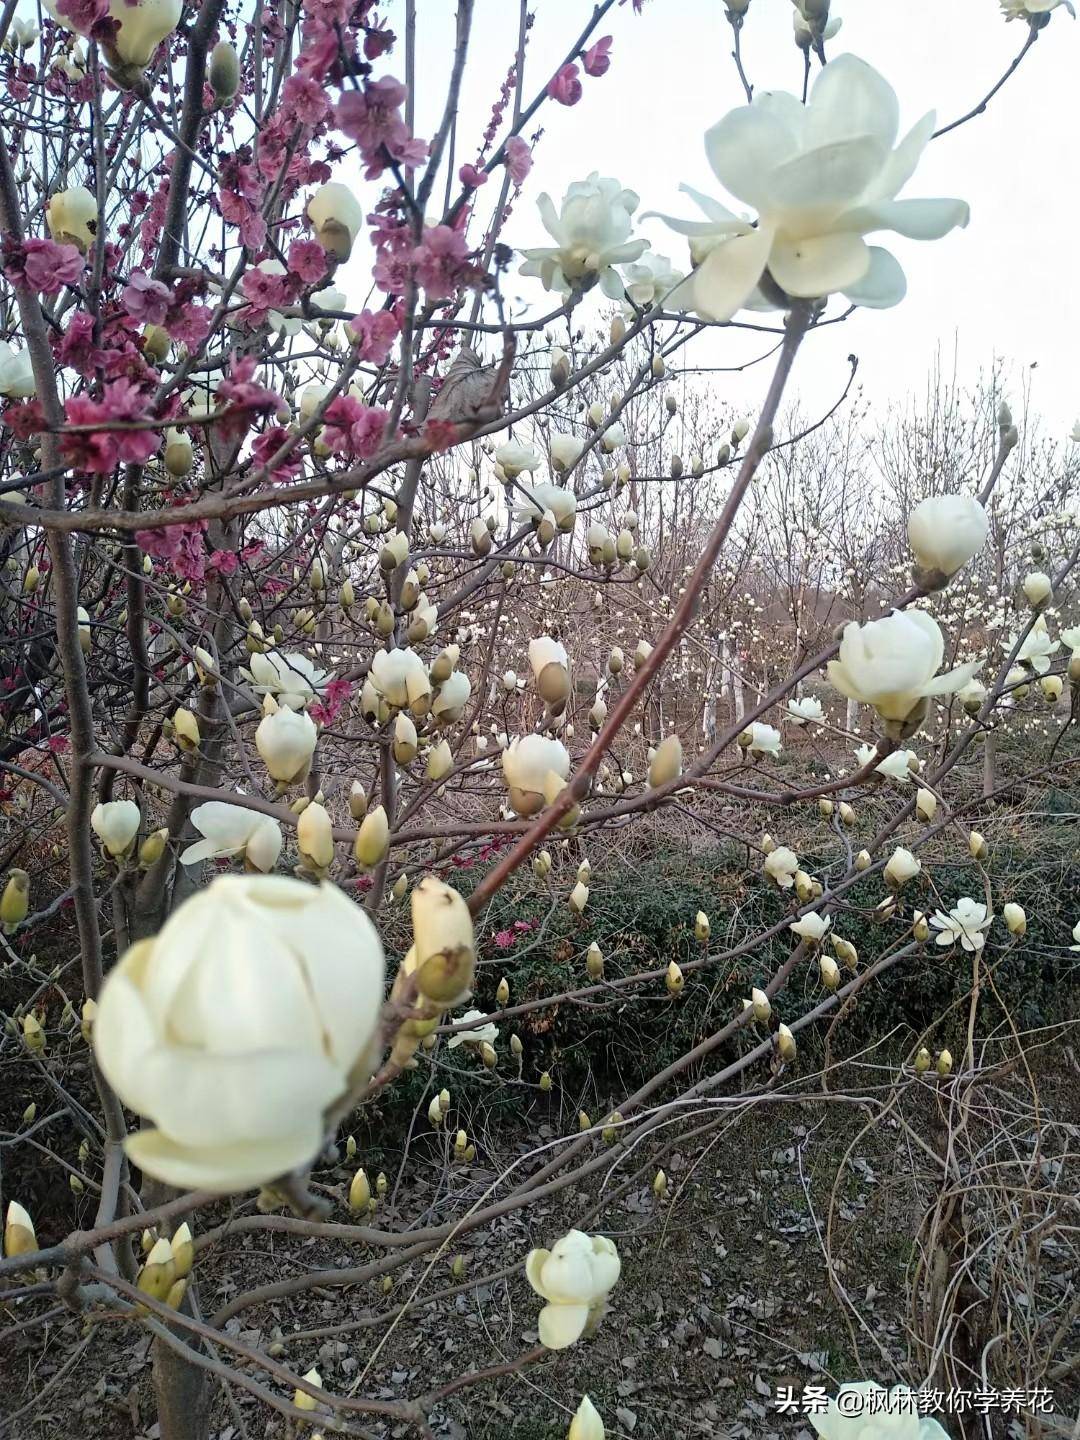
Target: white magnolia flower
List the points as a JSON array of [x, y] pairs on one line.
[[1076, 936], [337, 217], [140, 28], [650, 280], [329, 298], [946, 531], [1074, 433], [891, 664], [565, 451], [575, 1277], [286, 740], [965, 923], [535, 500], [115, 823], [1037, 647], [1071, 638], [881, 1415], [237, 1026], [476, 1035], [781, 865], [514, 458], [902, 866], [16, 373], [763, 739], [895, 766], [807, 710], [233, 830], [811, 927], [293, 679], [452, 697], [1033, 10], [591, 234], [820, 176], [527, 761], [972, 695], [400, 677], [805, 33], [551, 668]]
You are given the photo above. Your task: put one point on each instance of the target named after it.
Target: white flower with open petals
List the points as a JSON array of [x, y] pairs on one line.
[[476, 1035], [293, 679], [237, 1026], [864, 1410], [650, 280], [761, 739], [514, 458], [895, 766], [811, 927], [575, 1277], [892, 664], [591, 234], [820, 177], [16, 373], [805, 711], [1037, 647], [536, 500], [229, 830], [966, 923]]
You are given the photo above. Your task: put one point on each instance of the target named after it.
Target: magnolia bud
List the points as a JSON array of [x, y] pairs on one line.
[[1015, 918], [922, 1061], [20, 1237], [658, 367], [224, 72], [825, 807], [674, 979], [357, 801], [360, 1193], [157, 1275], [862, 860], [502, 993], [847, 952], [560, 368], [372, 839], [545, 1082], [1037, 588], [659, 1185], [584, 1120], [16, 900], [301, 1399], [926, 805], [944, 1063], [920, 928], [785, 1042], [978, 846], [847, 814], [702, 928], [594, 961]]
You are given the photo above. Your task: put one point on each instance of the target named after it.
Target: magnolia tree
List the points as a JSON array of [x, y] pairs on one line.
[[308, 604]]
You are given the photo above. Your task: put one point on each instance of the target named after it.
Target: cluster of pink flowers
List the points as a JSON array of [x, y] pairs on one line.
[[372, 117], [565, 86], [42, 265], [181, 547], [376, 331], [266, 444], [335, 696], [99, 450], [440, 263], [353, 428], [245, 399], [505, 939]]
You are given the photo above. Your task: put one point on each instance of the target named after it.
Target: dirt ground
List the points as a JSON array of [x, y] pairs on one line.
[[725, 1297]]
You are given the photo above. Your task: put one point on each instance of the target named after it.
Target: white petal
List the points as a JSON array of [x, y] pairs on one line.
[[124, 1034], [822, 180], [561, 1325], [819, 265], [883, 285], [745, 148], [201, 850], [917, 219], [730, 273], [900, 165], [222, 1170], [850, 98], [202, 1099]]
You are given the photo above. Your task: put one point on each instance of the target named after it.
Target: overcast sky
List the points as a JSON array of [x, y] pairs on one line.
[[1006, 286]]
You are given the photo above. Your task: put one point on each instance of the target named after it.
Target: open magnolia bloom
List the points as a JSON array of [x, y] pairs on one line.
[[806, 710], [1037, 647], [864, 1410], [1035, 12], [591, 234], [230, 830], [141, 27], [238, 1026], [527, 762], [292, 679], [649, 281], [534, 500], [892, 664], [401, 678], [485, 1034], [820, 176], [897, 765], [966, 923], [575, 1277]]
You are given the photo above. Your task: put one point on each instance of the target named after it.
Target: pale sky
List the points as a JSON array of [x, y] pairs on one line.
[[1005, 286]]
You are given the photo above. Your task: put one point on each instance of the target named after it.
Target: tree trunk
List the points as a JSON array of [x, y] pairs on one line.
[[182, 1395], [989, 765]]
